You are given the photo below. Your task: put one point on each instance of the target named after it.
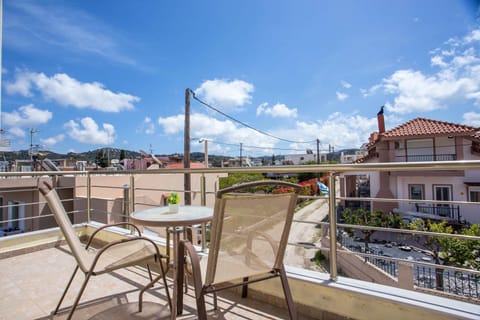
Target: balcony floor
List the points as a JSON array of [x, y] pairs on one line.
[[33, 282]]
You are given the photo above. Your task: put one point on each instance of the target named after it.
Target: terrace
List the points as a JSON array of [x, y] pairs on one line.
[[35, 264]]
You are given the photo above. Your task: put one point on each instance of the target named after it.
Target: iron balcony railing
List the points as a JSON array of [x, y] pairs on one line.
[[442, 211], [386, 249], [427, 157]]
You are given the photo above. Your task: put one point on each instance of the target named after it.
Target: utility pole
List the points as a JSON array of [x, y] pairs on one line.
[[186, 150], [241, 145], [318, 151], [318, 159], [206, 151]]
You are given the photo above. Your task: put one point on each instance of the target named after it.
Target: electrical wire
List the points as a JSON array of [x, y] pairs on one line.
[[243, 123]]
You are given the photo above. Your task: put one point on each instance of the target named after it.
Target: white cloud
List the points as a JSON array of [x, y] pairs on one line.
[[18, 132], [225, 94], [457, 81], [68, 91], [473, 36], [148, 127], [89, 132], [225, 131], [345, 84], [351, 131], [472, 119], [277, 111], [52, 140], [341, 96], [371, 91], [26, 116]]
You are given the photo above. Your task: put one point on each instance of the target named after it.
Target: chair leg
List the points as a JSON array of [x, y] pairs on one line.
[[245, 287], [66, 289], [288, 295], [79, 295], [150, 284], [197, 279]]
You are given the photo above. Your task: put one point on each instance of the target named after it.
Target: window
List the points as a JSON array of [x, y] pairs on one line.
[[416, 191], [474, 194], [443, 193], [16, 215]]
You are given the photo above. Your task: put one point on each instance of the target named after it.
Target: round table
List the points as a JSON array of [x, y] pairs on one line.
[[161, 217]]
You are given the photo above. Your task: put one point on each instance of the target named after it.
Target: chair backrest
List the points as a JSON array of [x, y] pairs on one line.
[[63, 221], [249, 231]]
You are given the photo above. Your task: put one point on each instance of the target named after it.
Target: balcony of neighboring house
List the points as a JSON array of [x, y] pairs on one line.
[[432, 149], [440, 211], [332, 275]]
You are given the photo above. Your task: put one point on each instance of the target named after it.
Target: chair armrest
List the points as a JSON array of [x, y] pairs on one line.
[[111, 225], [187, 246], [121, 241]]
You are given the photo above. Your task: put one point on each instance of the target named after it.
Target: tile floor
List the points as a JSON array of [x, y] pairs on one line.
[[31, 285]]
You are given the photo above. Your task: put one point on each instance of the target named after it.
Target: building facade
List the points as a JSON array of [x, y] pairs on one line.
[[420, 139]]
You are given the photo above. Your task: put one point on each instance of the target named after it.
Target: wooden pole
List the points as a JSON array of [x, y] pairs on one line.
[[186, 150]]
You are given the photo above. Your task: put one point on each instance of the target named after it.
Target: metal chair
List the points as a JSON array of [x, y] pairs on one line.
[[113, 256], [249, 234]]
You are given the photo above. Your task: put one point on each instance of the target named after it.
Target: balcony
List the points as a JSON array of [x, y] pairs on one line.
[[440, 211], [426, 157], [35, 264]]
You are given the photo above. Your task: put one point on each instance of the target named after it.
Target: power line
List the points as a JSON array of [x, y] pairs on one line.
[[254, 147], [243, 123]]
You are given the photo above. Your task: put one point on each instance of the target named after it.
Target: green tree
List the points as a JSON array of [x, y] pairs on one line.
[[435, 244], [462, 253], [364, 217], [236, 178], [101, 158], [122, 154]]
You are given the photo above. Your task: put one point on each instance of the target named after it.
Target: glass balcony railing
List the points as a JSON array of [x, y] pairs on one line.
[[379, 250]]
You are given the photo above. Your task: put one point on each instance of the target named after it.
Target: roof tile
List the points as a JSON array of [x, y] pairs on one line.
[[428, 127]]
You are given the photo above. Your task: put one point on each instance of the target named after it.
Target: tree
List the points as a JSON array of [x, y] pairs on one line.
[[462, 253], [122, 154], [449, 251], [364, 217], [434, 243], [101, 159]]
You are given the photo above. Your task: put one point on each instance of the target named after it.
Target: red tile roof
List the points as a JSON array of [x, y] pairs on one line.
[[421, 127], [427, 127]]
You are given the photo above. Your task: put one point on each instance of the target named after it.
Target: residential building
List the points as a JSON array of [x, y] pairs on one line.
[[302, 158], [419, 140], [349, 157]]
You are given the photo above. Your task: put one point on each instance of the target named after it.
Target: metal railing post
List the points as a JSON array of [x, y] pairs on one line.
[[126, 202], [333, 228], [203, 199], [89, 197], [203, 192], [132, 195]]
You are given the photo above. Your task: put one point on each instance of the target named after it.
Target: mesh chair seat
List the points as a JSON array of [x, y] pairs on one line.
[[248, 237], [114, 255]]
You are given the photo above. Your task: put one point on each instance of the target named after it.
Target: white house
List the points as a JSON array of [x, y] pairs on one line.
[[421, 139]]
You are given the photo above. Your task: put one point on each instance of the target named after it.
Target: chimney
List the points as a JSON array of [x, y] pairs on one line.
[[381, 121]]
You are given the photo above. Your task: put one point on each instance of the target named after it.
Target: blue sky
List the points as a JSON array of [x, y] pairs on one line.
[[91, 74]]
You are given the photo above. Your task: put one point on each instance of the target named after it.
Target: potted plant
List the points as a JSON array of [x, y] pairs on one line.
[[173, 202]]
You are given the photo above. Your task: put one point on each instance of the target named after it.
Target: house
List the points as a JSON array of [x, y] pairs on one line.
[[419, 139], [296, 159], [349, 157]]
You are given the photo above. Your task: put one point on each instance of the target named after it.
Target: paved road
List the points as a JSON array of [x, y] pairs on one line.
[[302, 232]]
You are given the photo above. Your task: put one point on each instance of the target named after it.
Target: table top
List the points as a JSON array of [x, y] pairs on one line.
[[161, 217]]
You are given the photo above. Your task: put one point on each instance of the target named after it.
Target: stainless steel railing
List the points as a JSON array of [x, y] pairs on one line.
[[134, 191]]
